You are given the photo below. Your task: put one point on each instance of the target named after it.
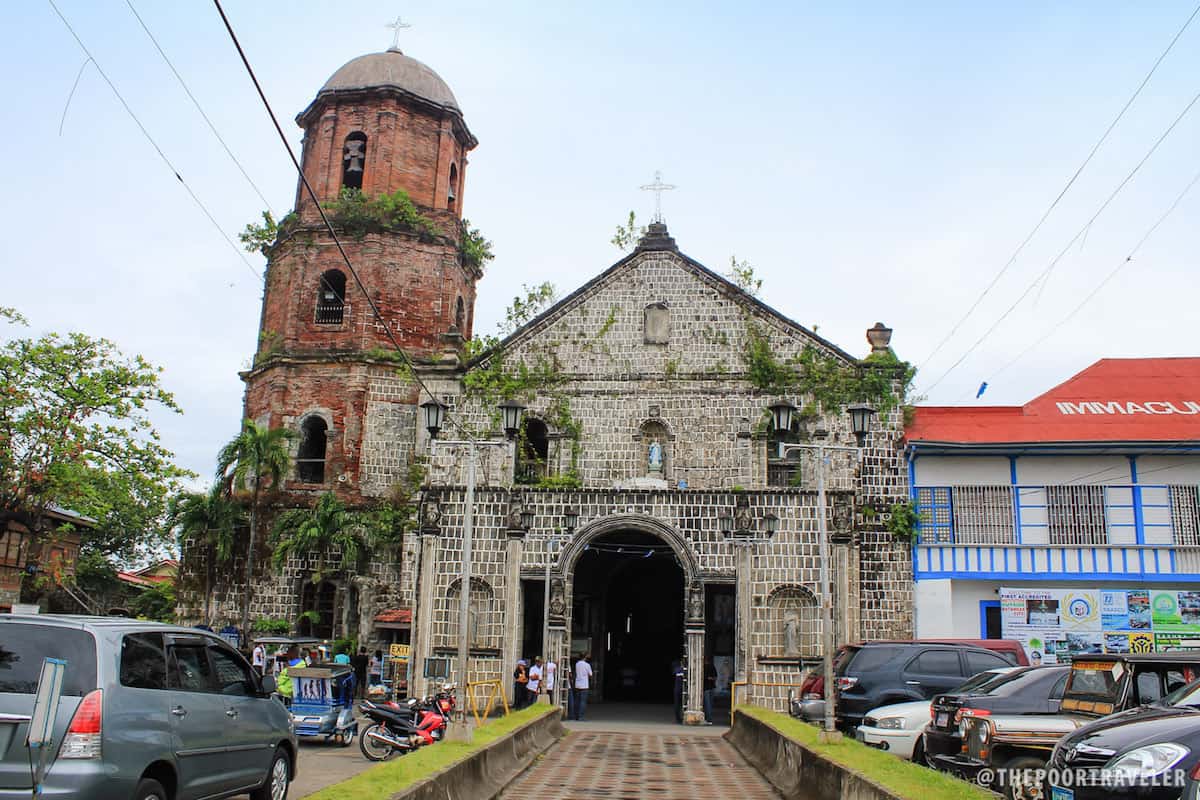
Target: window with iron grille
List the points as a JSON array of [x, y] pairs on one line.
[[935, 512], [1076, 514], [1185, 514], [983, 514]]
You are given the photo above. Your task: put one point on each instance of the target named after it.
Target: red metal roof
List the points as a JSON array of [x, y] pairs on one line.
[[395, 616], [1114, 400]]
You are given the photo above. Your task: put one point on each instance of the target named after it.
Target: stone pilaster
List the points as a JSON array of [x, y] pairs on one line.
[[423, 615], [513, 611]]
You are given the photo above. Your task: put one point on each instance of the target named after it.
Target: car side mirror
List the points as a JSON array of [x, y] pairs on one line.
[[268, 684]]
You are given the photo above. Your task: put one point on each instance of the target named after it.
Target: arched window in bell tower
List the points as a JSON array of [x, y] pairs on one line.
[[331, 297], [354, 159], [460, 315], [453, 194], [310, 458]]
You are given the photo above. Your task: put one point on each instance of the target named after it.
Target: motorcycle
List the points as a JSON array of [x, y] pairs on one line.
[[404, 727]]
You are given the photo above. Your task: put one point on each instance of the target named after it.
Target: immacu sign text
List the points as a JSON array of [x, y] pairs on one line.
[[1129, 407]]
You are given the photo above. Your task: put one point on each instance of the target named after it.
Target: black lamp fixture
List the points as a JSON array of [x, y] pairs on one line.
[[781, 415], [435, 415], [860, 421], [726, 523], [512, 411], [570, 519], [527, 518], [771, 522]]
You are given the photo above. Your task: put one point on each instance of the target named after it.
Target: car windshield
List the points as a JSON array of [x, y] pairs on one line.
[[979, 683], [23, 648], [1093, 686], [1187, 695]]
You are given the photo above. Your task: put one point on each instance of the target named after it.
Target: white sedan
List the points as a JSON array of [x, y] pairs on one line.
[[898, 729]]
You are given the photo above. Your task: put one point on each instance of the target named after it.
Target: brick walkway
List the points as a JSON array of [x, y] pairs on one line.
[[633, 766]]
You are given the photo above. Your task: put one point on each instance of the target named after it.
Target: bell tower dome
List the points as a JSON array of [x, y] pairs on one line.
[[385, 152]]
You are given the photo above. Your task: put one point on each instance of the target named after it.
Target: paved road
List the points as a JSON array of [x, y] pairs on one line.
[[592, 765], [322, 765]]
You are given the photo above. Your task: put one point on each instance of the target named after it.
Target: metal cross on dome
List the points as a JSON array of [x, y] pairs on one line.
[[658, 187], [397, 26]]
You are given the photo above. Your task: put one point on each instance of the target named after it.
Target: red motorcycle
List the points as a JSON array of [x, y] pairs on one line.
[[404, 727]]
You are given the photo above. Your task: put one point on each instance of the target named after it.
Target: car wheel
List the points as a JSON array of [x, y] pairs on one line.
[[1020, 782], [918, 755], [279, 778], [149, 789]]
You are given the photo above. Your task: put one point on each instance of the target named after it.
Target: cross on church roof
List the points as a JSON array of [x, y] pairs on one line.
[[397, 26], [658, 187]]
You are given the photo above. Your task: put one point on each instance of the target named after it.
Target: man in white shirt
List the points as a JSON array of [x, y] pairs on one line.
[[551, 669], [583, 682], [535, 680], [258, 659]]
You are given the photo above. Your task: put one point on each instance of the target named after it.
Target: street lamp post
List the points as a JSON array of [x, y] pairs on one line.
[[435, 415], [570, 519], [860, 421]]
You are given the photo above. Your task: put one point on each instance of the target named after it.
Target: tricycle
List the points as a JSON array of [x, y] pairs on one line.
[[323, 702]]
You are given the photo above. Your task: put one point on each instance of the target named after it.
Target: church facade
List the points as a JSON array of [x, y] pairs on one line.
[[644, 483]]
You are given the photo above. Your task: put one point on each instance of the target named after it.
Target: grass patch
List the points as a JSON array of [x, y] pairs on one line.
[[384, 780], [905, 778]]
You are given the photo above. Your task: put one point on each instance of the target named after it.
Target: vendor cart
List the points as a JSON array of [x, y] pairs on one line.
[[323, 702]]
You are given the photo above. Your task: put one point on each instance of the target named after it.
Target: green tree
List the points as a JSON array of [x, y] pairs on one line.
[[211, 519], [742, 275], [327, 526], [254, 461], [628, 235], [155, 602], [76, 433]]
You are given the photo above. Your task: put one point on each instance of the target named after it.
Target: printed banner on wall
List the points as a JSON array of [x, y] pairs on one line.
[[1055, 624]]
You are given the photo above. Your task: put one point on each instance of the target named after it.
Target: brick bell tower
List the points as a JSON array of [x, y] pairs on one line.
[[382, 124]]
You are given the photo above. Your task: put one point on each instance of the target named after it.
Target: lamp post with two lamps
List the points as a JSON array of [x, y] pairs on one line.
[[435, 416], [860, 423]]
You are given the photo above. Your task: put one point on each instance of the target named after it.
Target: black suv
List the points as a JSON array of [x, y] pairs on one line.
[[876, 674], [1025, 690]]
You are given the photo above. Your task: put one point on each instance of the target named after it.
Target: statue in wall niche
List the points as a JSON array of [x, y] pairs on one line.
[[696, 601], [558, 602], [655, 460], [431, 513], [791, 633]]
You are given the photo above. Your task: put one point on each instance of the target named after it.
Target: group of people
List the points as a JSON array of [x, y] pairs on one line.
[[368, 668], [532, 678]]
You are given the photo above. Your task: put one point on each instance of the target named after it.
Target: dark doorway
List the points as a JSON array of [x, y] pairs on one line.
[[533, 594], [990, 612], [628, 610]]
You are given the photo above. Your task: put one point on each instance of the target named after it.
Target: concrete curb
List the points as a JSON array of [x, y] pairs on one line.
[[796, 771], [483, 774]]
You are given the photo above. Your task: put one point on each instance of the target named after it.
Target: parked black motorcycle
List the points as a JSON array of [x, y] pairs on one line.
[[404, 727]]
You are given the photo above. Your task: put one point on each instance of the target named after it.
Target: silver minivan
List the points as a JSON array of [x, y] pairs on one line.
[[148, 712]]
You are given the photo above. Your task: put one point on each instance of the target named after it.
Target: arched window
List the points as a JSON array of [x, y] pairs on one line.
[[354, 159], [453, 194], [460, 316], [533, 451], [331, 297], [310, 458], [656, 324], [483, 623]]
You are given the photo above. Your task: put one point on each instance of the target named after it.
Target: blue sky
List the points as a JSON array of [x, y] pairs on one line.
[[872, 161]]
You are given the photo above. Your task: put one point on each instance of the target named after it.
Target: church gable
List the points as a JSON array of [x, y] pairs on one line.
[[658, 314]]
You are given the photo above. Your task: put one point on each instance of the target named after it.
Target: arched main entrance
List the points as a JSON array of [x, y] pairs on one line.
[[627, 610]]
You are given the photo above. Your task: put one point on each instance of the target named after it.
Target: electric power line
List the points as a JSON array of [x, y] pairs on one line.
[[151, 140], [196, 103], [1107, 278], [1021, 247], [408, 361], [1044, 273]]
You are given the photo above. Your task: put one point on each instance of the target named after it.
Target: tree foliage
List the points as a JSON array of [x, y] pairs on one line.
[[76, 433], [741, 273], [211, 520], [475, 249], [629, 234], [155, 602]]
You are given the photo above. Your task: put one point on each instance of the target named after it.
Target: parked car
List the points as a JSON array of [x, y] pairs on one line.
[[900, 728], [1023, 690], [874, 674], [148, 712], [1142, 753], [1013, 747]]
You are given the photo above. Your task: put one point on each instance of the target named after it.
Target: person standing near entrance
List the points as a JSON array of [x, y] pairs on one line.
[[520, 681], [583, 683], [359, 661], [535, 681], [549, 671], [258, 659]]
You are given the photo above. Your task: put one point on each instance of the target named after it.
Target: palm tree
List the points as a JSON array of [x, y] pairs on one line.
[[211, 519], [326, 526], [256, 458]]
